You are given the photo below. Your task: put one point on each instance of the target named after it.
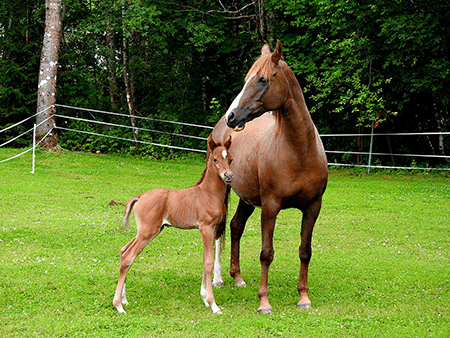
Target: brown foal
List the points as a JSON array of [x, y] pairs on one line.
[[201, 206]]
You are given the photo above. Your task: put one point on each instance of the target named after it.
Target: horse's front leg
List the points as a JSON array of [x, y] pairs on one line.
[[237, 226], [206, 291], [268, 217], [308, 220]]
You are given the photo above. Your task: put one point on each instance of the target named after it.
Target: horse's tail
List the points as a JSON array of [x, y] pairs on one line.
[[130, 204], [221, 227]]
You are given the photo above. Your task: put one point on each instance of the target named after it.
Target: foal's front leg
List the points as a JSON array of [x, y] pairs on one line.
[[206, 291]]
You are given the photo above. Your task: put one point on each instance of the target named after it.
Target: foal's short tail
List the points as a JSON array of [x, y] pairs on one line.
[[130, 204]]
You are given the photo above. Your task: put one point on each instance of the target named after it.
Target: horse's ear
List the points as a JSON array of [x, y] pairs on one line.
[[227, 144], [265, 48], [277, 55], [211, 143]]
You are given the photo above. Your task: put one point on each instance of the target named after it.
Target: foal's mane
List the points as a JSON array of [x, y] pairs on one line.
[[204, 170]]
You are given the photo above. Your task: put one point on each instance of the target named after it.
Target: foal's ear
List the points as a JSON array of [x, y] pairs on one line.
[[227, 143], [277, 55], [211, 143], [265, 48]]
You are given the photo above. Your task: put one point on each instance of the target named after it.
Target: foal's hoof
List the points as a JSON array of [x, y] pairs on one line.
[[120, 309], [218, 285], [304, 306], [265, 310]]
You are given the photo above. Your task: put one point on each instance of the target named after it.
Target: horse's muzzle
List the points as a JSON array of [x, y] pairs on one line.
[[233, 123]]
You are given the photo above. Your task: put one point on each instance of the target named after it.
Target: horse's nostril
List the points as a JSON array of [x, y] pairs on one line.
[[230, 116]]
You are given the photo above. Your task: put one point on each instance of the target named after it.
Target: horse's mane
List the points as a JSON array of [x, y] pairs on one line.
[[263, 66]]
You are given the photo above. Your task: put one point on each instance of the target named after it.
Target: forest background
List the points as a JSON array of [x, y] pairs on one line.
[[359, 63]]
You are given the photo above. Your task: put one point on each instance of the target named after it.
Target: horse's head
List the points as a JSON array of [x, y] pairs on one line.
[[265, 89], [221, 159]]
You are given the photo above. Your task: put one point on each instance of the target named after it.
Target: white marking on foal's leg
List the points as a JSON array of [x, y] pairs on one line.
[[204, 295], [217, 280], [124, 296], [236, 101], [215, 308]]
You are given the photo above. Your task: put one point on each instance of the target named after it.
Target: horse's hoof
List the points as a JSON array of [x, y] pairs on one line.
[[265, 311], [241, 284], [304, 306]]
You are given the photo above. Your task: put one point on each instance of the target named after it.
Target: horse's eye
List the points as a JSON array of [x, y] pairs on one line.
[[262, 79], [215, 160]]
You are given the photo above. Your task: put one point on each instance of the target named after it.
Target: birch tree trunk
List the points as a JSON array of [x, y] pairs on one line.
[[47, 75]]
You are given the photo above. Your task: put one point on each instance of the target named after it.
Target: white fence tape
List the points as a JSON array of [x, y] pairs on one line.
[[370, 153]]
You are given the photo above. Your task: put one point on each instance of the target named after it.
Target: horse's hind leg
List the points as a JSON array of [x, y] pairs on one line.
[[309, 219], [237, 226], [217, 280]]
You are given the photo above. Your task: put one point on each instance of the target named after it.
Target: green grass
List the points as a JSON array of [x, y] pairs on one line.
[[380, 266]]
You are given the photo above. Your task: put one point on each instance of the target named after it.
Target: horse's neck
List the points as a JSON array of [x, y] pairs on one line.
[[294, 120]]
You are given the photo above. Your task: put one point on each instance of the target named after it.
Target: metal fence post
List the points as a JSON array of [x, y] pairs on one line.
[[34, 148], [370, 150]]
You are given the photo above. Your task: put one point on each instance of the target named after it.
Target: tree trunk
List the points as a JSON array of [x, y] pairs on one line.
[[264, 22], [129, 88], [112, 79], [45, 121], [442, 119]]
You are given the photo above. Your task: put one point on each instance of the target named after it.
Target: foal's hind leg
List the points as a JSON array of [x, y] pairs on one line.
[[206, 291], [237, 226], [127, 256], [309, 219]]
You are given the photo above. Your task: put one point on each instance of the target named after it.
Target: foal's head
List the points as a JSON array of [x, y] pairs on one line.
[[219, 158], [266, 88]]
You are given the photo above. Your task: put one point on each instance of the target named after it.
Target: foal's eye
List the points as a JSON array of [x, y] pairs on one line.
[[215, 160], [262, 79]]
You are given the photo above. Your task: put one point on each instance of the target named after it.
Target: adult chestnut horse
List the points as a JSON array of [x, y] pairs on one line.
[[279, 163]]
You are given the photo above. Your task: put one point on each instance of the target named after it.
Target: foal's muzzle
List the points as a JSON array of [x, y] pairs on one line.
[[228, 178]]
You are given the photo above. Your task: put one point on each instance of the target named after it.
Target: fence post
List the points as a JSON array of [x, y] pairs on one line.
[[370, 149], [34, 148]]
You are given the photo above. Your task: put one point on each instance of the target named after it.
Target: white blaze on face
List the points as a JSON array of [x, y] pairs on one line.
[[236, 101], [224, 154]]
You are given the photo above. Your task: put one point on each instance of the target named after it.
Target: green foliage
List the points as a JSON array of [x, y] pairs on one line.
[[358, 62], [361, 62], [20, 38], [380, 252]]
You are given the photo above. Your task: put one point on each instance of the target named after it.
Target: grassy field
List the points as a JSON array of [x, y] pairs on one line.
[[380, 266]]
